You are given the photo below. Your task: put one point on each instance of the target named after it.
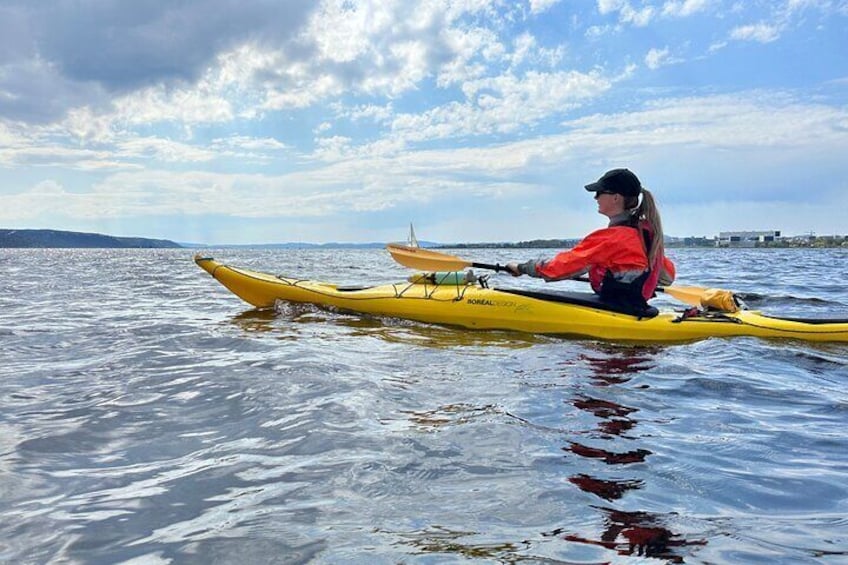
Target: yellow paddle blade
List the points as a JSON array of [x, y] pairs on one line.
[[425, 259], [688, 294], [715, 298]]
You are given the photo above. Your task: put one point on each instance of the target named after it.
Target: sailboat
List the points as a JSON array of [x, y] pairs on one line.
[[412, 241]]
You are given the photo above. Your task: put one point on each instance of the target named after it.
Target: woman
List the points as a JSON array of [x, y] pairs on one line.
[[626, 260]]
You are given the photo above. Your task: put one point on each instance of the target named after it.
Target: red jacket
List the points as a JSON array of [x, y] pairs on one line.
[[619, 250]]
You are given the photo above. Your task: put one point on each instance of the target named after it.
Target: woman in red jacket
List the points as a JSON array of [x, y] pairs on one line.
[[626, 260]]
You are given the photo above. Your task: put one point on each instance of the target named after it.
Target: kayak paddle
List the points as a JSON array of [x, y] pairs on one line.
[[429, 260]]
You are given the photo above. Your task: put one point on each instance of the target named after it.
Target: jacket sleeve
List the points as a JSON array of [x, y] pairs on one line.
[[667, 272], [593, 249]]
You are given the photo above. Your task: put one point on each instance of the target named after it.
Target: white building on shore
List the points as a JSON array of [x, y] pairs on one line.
[[746, 238]]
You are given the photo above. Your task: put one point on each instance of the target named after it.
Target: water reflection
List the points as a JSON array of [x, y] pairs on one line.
[[614, 417], [609, 457], [606, 489], [281, 319], [638, 533], [626, 532], [255, 320], [406, 332], [616, 366]]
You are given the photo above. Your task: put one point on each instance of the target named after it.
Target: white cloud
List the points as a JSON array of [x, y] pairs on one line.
[[717, 46], [627, 14], [539, 6], [684, 8], [340, 30], [656, 58], [333, 148], [667, 132], [162, 150], [370, 112], [387, 48], [12, 138], [608, 6], [522, 46], [527, 50], [50, 146], [202, 103], [44, 199], [381, 49], [761, 32], [596, 32], [502, 104], [786, 16], [472, 51], [640, 18], [239, 144], [30, 147]]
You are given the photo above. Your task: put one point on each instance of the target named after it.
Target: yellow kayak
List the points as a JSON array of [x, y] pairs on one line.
[[470, 305]]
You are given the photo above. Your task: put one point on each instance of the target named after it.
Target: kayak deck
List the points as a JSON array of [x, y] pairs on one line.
[[558, 313]]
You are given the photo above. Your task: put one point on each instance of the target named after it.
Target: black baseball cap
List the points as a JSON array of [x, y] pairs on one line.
[[617, 181]]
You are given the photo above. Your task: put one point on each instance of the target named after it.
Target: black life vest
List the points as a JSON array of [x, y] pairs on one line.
[[628, 295]]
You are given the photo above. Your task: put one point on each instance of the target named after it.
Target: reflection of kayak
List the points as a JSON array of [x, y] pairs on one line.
[[468, 304]]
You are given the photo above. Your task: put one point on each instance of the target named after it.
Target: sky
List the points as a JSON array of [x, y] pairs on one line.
[[260, 121]]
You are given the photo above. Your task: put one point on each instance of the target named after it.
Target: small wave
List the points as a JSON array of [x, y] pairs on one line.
[[450, 415], [756, 299]]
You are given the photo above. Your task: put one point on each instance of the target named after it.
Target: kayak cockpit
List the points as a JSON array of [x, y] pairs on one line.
[[587, 299]]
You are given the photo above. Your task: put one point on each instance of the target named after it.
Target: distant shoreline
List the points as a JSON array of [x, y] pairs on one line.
[[58, 239], [50, 239]]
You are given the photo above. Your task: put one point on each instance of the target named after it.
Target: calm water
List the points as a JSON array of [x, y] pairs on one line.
[[149, 416]]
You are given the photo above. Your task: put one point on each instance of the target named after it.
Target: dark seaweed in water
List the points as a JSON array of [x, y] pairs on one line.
[[147, 414]]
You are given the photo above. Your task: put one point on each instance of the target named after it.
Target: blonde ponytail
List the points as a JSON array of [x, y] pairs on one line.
[[647, 210]]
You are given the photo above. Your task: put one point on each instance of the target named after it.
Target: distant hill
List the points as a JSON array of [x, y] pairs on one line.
[[69, 239]]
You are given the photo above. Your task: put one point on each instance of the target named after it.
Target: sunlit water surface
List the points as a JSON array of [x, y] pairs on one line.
[[147, 415]]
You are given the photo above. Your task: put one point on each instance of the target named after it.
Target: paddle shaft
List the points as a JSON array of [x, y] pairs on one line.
[[497, 267]]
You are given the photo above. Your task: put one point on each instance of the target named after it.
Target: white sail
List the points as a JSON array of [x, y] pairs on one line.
[[412, 241]]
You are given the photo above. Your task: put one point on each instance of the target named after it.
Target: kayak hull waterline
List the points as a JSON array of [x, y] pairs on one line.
[[474, 307]]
